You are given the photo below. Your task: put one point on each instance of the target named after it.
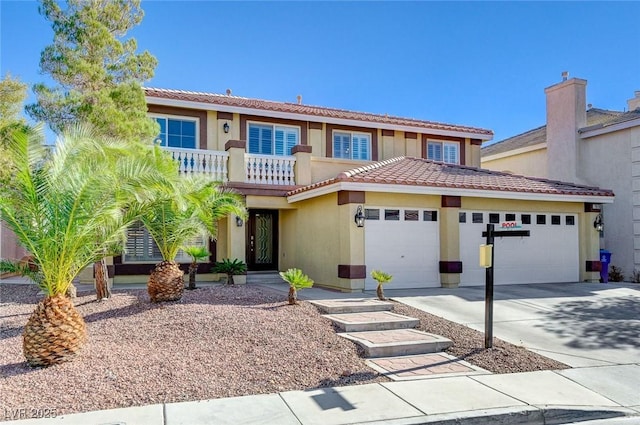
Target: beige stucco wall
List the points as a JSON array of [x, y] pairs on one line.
[[9, 247], [612, 161], [310, 239], [531, 163]]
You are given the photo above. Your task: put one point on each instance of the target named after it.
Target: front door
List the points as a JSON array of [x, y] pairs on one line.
[[262, 240]]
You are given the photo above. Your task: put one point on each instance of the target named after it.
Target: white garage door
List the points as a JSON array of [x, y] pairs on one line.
[[549, 255], [403, 242]]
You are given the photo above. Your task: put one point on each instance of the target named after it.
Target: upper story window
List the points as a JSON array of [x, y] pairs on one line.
[[269, 139], [351, 145], [178, 132], [448, 152]]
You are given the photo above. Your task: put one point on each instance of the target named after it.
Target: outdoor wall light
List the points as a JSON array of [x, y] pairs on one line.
[[239, 221], [225, 127], [359, 217], [597, 223]]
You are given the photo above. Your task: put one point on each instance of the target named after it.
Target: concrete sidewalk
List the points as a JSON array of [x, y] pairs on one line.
[[544, 397]]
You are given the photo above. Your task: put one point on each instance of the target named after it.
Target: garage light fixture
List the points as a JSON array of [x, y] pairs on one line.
[[597, 223], [239, 221], [359, 217], [225, 127]]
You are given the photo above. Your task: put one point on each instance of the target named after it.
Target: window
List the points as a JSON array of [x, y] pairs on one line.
[[526, 218], [141, 248], [494, 218], [351, 145], [430, 215], [555, 220], [462, 217], [370, 214], [477, 218], [411, 215], [443, 152], [510, 217], [269, 139], [570, 220], [178, 132], [541, 219], [393, 215]]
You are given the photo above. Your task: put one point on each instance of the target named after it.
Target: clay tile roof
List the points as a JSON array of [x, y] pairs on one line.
[[596, 118], [317, 111], [422, 172]]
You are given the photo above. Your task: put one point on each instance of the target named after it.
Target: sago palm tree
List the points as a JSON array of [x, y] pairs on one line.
[[68, 207], [194, 210], [297, 281], [230, 268], [196, 253], [382, 278]]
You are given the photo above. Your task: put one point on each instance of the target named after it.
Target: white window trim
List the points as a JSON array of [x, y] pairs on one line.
[[297, 128], [182, 118], [351, 134], [444, 143]]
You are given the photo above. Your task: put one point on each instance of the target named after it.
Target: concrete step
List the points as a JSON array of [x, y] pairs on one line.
[[352, 305], [371, 321], [265, 278], [397, 342]]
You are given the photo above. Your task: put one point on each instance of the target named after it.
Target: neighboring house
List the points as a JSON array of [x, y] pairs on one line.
[[590, 146], [306, 172]]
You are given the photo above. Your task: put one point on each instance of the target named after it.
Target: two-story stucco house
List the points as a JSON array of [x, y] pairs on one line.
[[308, 173], [590, 146]]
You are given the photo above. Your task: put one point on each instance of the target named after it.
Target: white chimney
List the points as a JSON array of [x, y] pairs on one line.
[[566, 113], [633, 104]]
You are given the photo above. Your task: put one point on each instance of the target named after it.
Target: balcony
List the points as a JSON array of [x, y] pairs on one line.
[[237, 166]]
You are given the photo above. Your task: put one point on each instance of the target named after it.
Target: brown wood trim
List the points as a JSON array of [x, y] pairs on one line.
[[242, 144], [593, 266], [388, 133], [372, 131], [348, 271], [350, 197], [410, 135], [267, 120], [261, 189], [225, 116], [460, 140], [476, 142], [315, 125], [450, 201], [185, 112], [589, 207], [301, 148], [450, 266]]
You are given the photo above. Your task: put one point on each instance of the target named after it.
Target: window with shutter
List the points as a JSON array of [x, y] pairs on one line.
[[141, 248], [447, 152], [267, 139], [351, 145]]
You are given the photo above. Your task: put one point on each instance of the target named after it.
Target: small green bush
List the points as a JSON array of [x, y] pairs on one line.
[[230, 268], [615, 274]]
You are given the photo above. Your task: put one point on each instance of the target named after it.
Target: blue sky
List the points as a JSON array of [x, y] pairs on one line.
[[482, 64]]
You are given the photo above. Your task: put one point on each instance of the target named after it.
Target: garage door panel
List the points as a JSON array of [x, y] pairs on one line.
[[549, 255], [408, 250]]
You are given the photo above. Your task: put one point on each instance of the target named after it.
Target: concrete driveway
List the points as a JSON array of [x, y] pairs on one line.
[[579, 324]]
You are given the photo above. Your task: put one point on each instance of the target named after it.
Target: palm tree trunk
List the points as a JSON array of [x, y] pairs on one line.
[[103, 286], [193, 269], [293, 296], [230, 279], [380, 293], [54, 333], [166, 282]]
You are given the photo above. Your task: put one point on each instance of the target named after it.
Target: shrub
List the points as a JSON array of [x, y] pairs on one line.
[[382, 278], [615, 274]]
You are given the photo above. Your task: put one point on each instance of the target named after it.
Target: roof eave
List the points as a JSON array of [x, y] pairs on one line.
[[449, 191], [306, 117], [599, 129]]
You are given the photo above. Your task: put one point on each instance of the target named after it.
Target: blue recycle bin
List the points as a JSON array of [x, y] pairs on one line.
[[605, 260]]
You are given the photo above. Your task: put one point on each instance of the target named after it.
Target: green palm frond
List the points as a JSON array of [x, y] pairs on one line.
[[381, 277], [296, 279], [193, 208], [196, 252], [72, 205]]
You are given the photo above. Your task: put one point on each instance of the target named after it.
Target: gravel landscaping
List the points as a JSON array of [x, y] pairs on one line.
[[218, 341]]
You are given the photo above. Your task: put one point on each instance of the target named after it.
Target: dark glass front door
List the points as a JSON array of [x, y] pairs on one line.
[[262, 240]]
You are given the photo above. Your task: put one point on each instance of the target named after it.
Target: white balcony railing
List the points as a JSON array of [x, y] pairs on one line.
[[269, 169], [211, 163]]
